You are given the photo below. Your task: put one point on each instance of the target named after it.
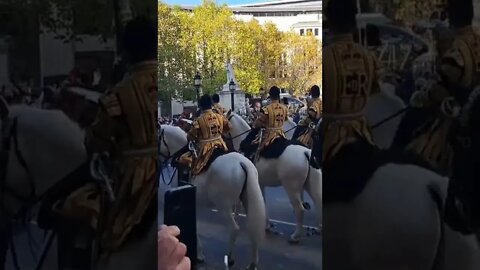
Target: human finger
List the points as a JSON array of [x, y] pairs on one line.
[[185, 264], [180, 252], [171, 230]]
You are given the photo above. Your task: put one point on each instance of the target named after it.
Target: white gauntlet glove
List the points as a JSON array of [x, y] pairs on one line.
[[450, 107]]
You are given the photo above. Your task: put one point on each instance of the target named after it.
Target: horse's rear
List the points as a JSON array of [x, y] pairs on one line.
[[293, 171], [230, 179], [394, 223]]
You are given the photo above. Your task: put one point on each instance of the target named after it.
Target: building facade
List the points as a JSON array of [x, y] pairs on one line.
[[299, 16]]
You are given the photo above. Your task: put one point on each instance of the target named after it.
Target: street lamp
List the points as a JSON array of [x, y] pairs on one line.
[[197, 81], [232, 88]]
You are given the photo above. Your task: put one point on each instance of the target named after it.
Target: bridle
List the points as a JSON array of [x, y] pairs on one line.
[[248, 130], [9, 136], [167, 156], [9, 142], [163, 142]]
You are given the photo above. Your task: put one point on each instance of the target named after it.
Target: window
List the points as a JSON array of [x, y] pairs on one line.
[[309, 31], [302, 32], [316, 32]]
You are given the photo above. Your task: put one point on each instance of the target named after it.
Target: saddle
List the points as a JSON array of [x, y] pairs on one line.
[[185, 169], [47, 218], [276, 148], [353, 166], [217, 152], [272, 151]]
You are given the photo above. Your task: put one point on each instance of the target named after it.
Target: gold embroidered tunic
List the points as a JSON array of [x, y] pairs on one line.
[[350, 70], [125, 127], [315, 112], [207, 133], [272, 117], [460, 66]]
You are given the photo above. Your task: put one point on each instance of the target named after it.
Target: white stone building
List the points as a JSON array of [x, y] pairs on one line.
[[300, 16]]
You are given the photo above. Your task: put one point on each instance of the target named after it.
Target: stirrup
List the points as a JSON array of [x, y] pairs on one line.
[[98, 172]]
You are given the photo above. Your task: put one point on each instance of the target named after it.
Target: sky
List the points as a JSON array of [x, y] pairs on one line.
[[197, 2]]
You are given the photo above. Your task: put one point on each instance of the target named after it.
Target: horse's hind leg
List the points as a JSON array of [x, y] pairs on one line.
[[296, 201], [233, 230], [200, 255], [269, 225], [314, 190]]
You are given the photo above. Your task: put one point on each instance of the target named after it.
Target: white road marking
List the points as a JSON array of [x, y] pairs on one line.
[[279, 221]]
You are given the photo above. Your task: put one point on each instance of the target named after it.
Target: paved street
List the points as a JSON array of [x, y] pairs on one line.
[[276, 252]]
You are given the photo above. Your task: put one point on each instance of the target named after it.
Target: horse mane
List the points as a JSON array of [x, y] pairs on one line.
[[241, 120], [173, 129]]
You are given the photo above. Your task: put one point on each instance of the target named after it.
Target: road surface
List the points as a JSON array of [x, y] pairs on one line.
[[275, 253]]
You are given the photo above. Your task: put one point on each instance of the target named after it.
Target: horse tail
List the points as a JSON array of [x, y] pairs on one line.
[[313, 186], [436, 196], [252, 200]]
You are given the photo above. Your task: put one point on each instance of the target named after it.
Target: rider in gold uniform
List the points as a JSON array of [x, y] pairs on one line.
[[125, 128], [207, 133], [350, 72], [272, 117], [460, 73], [216, 105], [314, 115]]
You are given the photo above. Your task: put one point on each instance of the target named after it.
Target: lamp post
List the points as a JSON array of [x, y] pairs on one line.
[[197, 81], [232, 88]]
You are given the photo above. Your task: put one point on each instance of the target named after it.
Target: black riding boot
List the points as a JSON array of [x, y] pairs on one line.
[[247, 146], [5, 234], [299, 130], [75, 246]]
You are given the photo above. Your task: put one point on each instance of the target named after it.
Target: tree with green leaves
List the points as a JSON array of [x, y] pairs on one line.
[[209, 37], [406, 11], [303, 66]]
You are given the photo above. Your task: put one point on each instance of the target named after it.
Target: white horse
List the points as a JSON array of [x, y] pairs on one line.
[[291, 170], [231, 178], [289, 128], [52, 146], [395, 223], [379, 107]]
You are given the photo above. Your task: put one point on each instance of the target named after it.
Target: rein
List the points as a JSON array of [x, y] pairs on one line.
[[9, 134], [385, 120], [248, 130], [167, 157]]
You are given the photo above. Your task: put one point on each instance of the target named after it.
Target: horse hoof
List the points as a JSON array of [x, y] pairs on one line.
[[231, 261], [270, 228], [201, 259], [306, 205], [293, 240]]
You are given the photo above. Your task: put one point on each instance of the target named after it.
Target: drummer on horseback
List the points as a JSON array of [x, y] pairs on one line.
[[125, 128], [351, 77], [271, 120], [460, 73], [306, 127], [206, 133]]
